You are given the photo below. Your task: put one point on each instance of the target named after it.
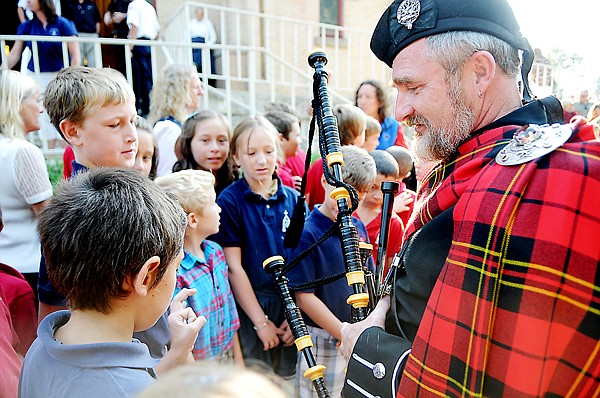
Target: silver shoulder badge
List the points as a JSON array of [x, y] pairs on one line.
[[408, 12], [532, 142]]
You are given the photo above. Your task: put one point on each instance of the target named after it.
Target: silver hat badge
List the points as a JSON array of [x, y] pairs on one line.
[[408, 12]]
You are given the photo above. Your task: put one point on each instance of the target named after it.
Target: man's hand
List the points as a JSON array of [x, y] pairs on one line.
[[351, 332], [118, 17]]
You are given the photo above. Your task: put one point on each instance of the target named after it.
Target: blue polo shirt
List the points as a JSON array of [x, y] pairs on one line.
[[84, 15], [50, 53], [111, 369], [389, 132], [257, 226], [326, 260]]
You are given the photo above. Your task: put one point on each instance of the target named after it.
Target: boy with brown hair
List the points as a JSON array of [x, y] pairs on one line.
[[369, 210], [120, 284], [288, 127], [94, 111], [325, 307], [352, 122]]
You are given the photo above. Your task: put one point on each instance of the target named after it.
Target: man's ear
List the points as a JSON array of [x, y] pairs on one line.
[[483, 66], [70, 131], [145, 279], [281, 137]]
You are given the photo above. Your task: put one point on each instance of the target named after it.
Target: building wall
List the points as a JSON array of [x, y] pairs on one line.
[[349, 65], [360, 14]]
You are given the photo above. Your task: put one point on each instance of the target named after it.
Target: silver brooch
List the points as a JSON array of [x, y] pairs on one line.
[[533, 142], [408, 12]]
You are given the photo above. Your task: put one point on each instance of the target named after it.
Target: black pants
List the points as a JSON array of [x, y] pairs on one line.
[[141, 65], [197, 57]]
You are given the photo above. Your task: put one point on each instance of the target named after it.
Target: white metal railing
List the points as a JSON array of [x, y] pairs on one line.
[[242, 90], [261, 58], [289, 39], [157, 48]]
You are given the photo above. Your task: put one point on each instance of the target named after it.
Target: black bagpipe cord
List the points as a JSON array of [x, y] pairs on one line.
[[294, 231]]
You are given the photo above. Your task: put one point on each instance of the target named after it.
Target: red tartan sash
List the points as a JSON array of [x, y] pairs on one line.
[[516, 308]]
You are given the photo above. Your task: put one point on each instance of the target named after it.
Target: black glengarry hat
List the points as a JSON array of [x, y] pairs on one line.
[[406, 21]]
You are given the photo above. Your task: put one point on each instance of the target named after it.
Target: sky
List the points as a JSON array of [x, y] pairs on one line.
[[571, 25]]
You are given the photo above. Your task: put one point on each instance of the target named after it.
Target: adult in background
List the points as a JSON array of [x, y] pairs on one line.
[[175, 97], [143, 25], [116, 18], [86, 18], [372, 98], [9, 20], [497, 291], [25, 185], [202, 30], [582, 107], [25, 13], [46, 22]]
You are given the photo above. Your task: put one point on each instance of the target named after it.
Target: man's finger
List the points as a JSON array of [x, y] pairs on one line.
[[378, 314]]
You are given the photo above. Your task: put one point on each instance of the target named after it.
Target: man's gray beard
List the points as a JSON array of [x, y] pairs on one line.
[[439, 143]]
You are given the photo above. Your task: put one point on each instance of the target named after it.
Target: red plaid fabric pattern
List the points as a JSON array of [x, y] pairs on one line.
[[516, 308]]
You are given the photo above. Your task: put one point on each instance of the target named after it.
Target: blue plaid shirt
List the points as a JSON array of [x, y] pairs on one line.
[[213, 299]]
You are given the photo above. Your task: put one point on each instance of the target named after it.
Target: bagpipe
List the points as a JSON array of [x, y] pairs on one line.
[[367, 287]]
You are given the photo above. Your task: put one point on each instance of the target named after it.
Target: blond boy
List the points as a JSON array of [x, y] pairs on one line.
[[203, 267]]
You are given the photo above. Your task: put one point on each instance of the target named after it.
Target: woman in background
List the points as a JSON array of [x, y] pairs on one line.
[[176, 95], [46, 22], [25, 186], [372, 99]]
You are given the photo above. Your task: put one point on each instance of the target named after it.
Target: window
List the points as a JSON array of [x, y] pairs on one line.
[[330, 12]]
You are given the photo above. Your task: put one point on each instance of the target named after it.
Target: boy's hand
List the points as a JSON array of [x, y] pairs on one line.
[[269, 335], [179, 301], [184, 324], [402, 201], [285, 334], [297, 182]]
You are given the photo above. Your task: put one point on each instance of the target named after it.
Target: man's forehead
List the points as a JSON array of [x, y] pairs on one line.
[[407, 62]]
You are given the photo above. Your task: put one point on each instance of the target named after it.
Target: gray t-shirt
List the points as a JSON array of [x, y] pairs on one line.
[[52, 369]]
